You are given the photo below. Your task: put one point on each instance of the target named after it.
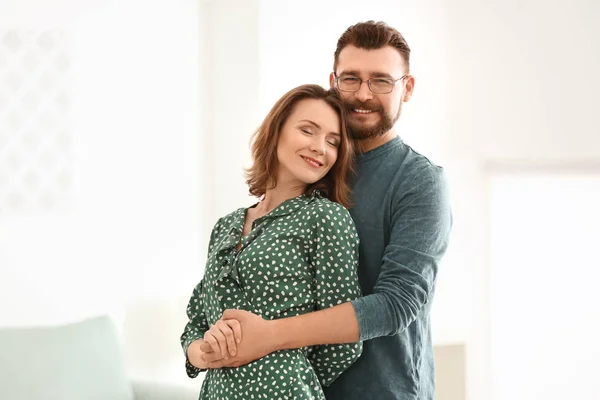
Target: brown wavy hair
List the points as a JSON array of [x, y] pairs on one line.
[[372, 35], [262, 174]]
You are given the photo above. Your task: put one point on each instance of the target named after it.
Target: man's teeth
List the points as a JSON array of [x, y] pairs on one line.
[[358, 110]]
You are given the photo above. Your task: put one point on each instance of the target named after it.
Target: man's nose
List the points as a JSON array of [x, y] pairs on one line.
[[364, 93]]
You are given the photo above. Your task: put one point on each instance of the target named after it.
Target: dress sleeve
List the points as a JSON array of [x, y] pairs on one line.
[[335, 261], [197, 323]]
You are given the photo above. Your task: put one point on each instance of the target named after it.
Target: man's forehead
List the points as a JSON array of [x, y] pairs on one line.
[[386, 60]]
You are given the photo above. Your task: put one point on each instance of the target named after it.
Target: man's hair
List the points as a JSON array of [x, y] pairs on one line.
[[372, 35], [262, 174]]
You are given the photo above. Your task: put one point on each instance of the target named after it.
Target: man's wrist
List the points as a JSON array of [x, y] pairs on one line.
[[279, 334], [283, 331]]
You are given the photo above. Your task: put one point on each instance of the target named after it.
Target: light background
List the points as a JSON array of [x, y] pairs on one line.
[[124, 128]]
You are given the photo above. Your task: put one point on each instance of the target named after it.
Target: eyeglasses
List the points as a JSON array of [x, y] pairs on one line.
[[351, 83]]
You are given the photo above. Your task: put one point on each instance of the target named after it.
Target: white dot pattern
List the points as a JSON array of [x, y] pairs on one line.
[[300, 257]]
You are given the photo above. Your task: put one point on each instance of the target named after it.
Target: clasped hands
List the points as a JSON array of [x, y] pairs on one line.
[[238, 338]]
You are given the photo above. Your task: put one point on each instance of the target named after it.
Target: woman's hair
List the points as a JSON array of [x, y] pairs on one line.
[[262, 174]]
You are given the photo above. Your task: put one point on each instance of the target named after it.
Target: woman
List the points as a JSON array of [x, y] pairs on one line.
[[293, 252]]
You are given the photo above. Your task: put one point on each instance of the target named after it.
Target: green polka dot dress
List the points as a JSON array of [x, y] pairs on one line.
[[300, 257]]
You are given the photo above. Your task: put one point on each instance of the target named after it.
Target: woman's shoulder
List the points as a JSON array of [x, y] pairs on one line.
[[331, 219], [323, 207], [229, 219]]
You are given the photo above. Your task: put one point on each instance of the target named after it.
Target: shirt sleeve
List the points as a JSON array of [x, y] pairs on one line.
[[197, 323], [420, 230], [335, 260]]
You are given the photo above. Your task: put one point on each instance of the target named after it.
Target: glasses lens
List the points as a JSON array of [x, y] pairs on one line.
[[378, 85], [348, 83]]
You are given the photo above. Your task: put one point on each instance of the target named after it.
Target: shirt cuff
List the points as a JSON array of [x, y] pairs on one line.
[[371, 317]]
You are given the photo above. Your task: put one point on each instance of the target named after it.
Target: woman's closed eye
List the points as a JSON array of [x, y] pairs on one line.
[[334, 142]]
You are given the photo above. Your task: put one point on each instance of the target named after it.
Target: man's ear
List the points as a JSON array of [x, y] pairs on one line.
[[409, 86], [332, 80]]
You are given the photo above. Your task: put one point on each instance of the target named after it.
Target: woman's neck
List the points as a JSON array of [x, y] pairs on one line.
[[274, 197]]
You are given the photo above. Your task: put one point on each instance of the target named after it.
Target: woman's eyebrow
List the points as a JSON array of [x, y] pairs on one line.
[[311, 122]]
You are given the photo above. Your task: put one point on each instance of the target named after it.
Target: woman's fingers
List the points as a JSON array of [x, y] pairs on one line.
[[212, 357], [217, 341], [206, 347], [223, 338]]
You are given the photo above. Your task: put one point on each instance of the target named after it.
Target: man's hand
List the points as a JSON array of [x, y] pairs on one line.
[[259, 340], [223, 337]]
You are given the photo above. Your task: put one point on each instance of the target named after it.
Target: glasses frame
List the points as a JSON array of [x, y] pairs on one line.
[[337, 83]]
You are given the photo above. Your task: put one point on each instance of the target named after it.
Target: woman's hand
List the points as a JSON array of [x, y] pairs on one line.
[[195, 355], [223, 337], [261, 337]]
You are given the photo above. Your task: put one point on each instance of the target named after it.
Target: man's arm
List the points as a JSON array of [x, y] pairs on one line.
[[261, 337], [330, 326], [420, 230]]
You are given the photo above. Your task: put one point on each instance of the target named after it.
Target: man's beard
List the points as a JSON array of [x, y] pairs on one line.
[[359, 132]]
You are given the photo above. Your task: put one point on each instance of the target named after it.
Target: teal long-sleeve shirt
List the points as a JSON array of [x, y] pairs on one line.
[[403, 218]]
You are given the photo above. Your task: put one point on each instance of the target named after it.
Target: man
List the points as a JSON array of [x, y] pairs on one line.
[[403, 218]]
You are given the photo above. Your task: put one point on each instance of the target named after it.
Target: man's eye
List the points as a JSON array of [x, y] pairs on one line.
[[349, 79], [382, 81]]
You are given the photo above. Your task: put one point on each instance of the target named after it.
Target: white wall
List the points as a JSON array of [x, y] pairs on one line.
[[128, 240], [524, 80], [520, 96], [543, 291], [230, 102]]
